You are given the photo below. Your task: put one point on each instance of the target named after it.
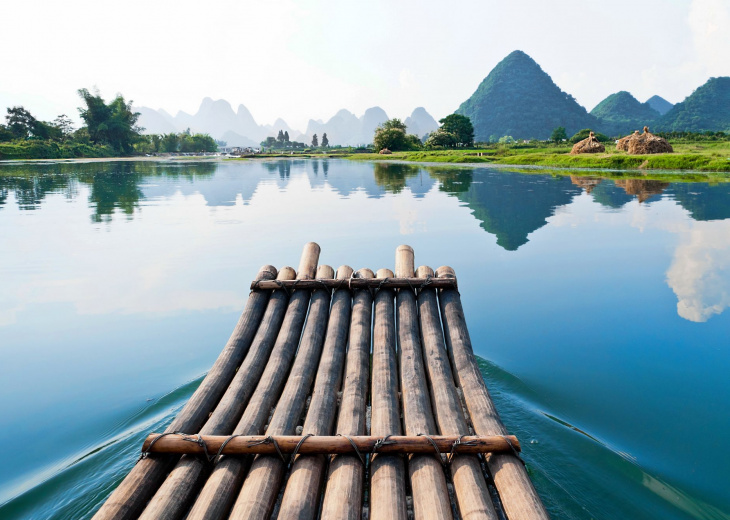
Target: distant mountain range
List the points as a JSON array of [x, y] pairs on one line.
[[239, 128], [517, 98]]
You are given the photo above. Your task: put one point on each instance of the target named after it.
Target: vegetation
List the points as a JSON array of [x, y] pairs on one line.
[[519, 99], [460, 127], [392, 135], [110, 130], [583, 134], [708, 108], [559, 135], [622, 113], [705, 156]]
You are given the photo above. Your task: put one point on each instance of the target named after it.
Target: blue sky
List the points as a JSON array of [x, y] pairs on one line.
[[300, 60]]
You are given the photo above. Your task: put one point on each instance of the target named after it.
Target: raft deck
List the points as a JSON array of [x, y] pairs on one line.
[[355, 395]]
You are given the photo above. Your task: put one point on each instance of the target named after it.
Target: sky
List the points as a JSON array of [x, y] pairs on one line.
[[307, 59]]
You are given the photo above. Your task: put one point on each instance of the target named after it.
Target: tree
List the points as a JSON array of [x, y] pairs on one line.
[[315, 141], [280, 137], [325, 141], [269, 143], [583, 134], [507, 139], [559, 135], [392, 135], [113, 124], [64, 125], [286, 136], [441, 139], [461, 128]]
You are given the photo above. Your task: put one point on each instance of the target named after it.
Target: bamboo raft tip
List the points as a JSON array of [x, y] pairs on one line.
[[344, 272], [287, 273], [445, 272], [325, 272], [424, 272], [385, 273], [365, 273], [267, 272]]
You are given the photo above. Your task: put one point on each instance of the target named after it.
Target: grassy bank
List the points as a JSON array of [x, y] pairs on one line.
[[31, 149], [705, 157]]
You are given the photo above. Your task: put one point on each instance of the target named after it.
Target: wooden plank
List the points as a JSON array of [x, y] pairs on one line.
[[144, 479], [470, 488], [428, 483], [344, 489], [218, 493], [179, 488], [261, 487], [387, 472], [358, 283], [519, 497], [302, 493], [325, 444]]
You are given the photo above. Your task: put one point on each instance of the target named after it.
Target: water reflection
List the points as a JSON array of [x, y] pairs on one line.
[[510, 206]]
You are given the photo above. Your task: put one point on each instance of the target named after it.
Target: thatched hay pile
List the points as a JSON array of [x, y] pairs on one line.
[[587, 183], [588, 145], [385, 151], [643, 189], [648, 143], [623, 143]]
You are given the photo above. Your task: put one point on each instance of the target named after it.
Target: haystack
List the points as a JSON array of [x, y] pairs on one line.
[[587, 183], [623, 143], [588, 145], [648, 143], [643, 189], [385, 151]]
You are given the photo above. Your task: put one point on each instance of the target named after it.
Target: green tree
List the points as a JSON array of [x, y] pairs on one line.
[[5, 134], [113, 124], [286, 136], [315, 141], [441, 139], [270, 142], [507, 139], [170, 143], [460, 127], [325, 141], [559, 135], [392, 135], [280, 137], [23, 125], [64, 125]]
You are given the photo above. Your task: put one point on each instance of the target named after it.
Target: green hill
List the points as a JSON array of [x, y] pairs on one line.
[[707, 108], [519, 99], [659, 104], [621, 113]]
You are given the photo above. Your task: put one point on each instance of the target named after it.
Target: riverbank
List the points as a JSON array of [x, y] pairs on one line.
[[700, 157]]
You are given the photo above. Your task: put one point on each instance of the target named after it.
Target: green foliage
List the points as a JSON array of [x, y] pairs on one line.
[[460, 127], [22, 125], [441, 139], [392, 135], [315, 141], [5, 134], [40, 149], [708, 108], [621, 114], [325, 140], [559, 135], [113, 124], [173, 143], [507, 139], [518, 98], [583, 134]]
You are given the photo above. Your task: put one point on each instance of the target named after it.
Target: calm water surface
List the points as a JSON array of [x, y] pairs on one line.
[[599, 310]]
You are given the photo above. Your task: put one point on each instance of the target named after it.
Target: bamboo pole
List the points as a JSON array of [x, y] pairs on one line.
[[344, 488], [387, 472], [261, 486], [302, 493], [358, 283], [428, 483], [218, 493], [470, 488], [173, 498], [143, 480], [518, 495], [325, 444]]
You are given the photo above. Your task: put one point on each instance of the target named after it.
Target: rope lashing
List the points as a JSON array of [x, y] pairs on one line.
[[435, 448], [146, 452], [458, 442], [514, 450], [299, 444], [268, 440], [354, 447]]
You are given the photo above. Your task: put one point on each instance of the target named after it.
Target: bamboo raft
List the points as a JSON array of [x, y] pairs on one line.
[[346, 396]]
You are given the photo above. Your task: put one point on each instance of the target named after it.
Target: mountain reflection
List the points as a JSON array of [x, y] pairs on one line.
[[510, 206]]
